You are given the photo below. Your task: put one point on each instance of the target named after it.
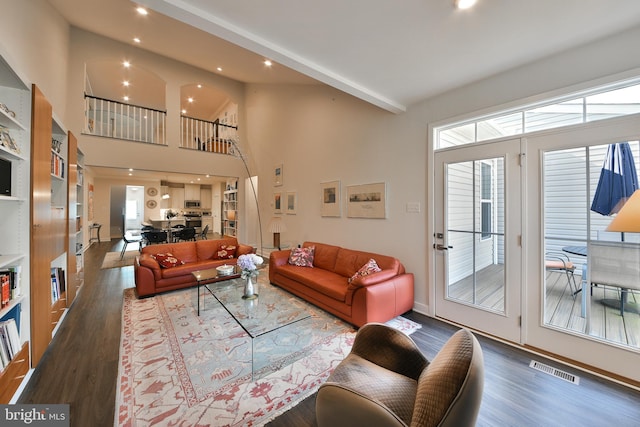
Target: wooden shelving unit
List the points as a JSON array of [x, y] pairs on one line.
[[15, 95], [230, 208], [50, 222]]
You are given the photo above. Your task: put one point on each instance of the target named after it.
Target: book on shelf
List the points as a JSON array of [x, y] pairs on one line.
[[9, 284], [58, 285], [57, 165], [9, 341]]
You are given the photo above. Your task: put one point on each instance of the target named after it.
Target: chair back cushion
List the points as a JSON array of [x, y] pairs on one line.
[[450, 389]]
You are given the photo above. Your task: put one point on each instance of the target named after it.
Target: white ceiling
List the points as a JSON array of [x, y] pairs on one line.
[[388, 52]]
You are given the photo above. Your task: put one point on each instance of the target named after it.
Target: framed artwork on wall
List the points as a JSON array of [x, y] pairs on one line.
[[278, 175], [330, 198], [292, 202], [277, 203], [366, 201]]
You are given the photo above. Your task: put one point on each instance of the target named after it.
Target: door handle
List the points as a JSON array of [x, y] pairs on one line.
[[442, 247]]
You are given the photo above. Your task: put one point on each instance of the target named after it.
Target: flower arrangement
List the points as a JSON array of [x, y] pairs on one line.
[[249, 265], [171, 214]]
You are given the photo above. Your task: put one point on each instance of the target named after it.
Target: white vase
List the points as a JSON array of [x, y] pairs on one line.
[[249, 289]]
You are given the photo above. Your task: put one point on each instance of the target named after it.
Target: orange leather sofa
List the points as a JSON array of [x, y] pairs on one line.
[[151, 278], [377, 297]]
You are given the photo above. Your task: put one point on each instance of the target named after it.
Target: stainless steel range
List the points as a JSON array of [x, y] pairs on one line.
[[193, 219]]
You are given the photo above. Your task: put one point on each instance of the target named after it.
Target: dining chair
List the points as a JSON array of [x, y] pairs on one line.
[[205, 231], [130, 237]]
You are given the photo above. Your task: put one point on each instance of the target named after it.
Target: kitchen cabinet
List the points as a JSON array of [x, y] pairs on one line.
[[191, 192], [177, 198], [205, 199]]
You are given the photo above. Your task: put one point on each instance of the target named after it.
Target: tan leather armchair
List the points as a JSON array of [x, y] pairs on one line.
[[386, 381]]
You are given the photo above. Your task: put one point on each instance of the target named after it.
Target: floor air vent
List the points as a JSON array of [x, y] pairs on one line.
[[550, 370]]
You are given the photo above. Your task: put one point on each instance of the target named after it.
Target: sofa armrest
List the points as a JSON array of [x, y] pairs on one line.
[[244, 249], [373, 279], [147, 260], [279, 258]]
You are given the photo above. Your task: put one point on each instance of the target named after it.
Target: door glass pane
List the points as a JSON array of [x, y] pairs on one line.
[[475, 233], [571, 179]]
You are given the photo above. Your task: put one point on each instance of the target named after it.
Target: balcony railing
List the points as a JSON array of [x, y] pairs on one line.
[[203, 135], [113, 119]]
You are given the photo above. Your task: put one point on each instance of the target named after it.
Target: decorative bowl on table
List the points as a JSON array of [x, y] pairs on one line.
[[225, 270]]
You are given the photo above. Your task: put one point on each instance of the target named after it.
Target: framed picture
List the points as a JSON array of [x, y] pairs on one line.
[[330, 198], [277, 175], [277, 203], [292, 202], [366, 201]]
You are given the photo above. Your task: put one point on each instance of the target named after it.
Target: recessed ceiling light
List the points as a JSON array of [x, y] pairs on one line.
[[126, 98], [130, 170], [126, 83], [190, 99], [142, 11], [137, 40], [219, 68], [126, 64], [464, 4], [199, 86], [268, 63], [184, 111]]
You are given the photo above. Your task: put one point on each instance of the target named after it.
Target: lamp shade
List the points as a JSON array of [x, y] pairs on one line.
[[276, 225], [628, 218]]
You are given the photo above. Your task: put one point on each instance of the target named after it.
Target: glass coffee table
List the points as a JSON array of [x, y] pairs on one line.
[[274, 322]]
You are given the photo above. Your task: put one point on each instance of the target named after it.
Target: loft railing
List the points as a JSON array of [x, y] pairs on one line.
[[113, 119], [203, 135]]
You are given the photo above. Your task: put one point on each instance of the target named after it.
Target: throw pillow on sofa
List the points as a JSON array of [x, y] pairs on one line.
[[167, 260], [226, 252], [369, 268], [302, 257]]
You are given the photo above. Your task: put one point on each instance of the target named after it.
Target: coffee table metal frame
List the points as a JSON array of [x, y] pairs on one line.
[[211, 275]]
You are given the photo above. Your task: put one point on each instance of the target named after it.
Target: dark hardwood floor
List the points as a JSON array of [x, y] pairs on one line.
[[81, 365]]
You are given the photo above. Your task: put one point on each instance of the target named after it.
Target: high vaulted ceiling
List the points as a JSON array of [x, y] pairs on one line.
[[388, 52]]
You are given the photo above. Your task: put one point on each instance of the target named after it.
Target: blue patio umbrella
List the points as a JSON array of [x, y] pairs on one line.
[[618, 180]]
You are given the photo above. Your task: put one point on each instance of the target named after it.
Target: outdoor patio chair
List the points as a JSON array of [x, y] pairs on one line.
[[616, 264], [386, 381], [560, 262]]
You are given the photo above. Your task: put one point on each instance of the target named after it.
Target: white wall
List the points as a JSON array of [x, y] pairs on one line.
[[36, 40]]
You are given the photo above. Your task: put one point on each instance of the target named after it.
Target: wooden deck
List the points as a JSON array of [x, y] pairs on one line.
[[561, 308]]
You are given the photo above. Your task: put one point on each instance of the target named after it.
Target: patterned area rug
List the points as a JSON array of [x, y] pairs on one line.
[[112, 259], [180, 369]]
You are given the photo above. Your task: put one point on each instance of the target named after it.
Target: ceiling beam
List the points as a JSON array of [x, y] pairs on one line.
[[205, 21]]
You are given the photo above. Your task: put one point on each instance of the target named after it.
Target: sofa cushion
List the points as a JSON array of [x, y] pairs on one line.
[[302, 257], [167, 260], [323, 281], [369, 268], [325, 256], [208, 249]]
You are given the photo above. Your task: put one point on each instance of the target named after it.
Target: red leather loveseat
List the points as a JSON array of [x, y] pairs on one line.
[[152, 278], [377, 297]]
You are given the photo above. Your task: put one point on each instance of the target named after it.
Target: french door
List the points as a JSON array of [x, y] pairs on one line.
[[478, 223], [563, 168]]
